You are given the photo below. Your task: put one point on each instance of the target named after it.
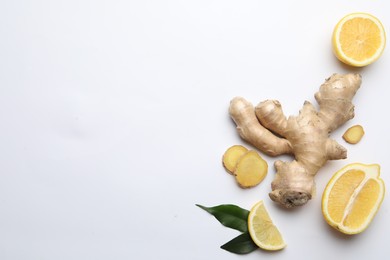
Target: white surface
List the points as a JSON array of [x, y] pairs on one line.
[[114, 120]]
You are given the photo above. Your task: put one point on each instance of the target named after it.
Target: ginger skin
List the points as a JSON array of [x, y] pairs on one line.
[[306, 136]]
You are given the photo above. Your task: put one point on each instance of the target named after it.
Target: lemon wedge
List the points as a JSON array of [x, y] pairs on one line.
[[261, 229]]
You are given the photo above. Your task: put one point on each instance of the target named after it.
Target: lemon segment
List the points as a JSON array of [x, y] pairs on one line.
[[352, 197], [358, 39], [363, 206], [262, 230], [341, 193]]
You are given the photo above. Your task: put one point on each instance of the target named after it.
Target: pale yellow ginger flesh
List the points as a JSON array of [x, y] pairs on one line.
[[251, 169], [231, 157], [354, 134], [306, 136]]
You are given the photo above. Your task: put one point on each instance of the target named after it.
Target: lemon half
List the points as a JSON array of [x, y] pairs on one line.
[[359, 39], [352, 197]]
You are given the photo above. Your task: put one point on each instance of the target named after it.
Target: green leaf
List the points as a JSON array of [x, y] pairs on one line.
[[229, 215], [242, 244]]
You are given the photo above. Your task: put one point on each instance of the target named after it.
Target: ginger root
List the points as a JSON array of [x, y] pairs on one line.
[[354, 134], [306, 136], [248, 167]]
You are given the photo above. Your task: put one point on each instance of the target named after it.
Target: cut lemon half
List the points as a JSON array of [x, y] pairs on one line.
[[352, 197], [358, 39], [261, 229]]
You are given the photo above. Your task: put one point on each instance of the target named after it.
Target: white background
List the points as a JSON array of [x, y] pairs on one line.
[[114, 121]]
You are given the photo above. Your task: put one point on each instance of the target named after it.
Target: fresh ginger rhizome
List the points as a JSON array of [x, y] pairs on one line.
[[305, 136]]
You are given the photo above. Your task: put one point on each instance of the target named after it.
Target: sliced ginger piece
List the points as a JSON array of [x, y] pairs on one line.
[[354, 134], [232, 156], [251, 169]]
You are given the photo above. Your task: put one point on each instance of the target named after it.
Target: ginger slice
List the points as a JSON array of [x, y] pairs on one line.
[[232, 156], [251, 169], [354, 134]]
